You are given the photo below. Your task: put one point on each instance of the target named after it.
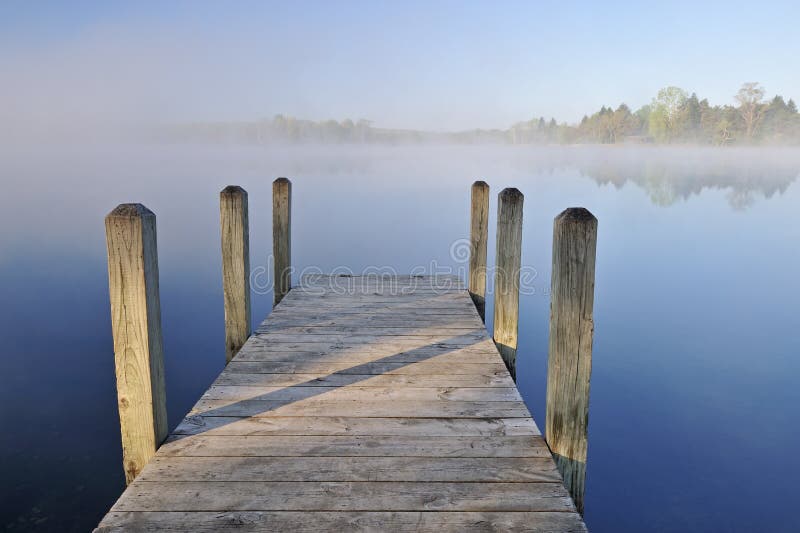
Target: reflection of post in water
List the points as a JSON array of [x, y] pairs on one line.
[[569, 364]]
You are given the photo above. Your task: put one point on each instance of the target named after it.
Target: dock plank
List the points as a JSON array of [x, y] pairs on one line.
[[350, 425], [372, 368], [353, 446], [432, 469], [319, 353], [343, 496], [365, 380], [386, 408], [313, 522], [357, 405], [363, 394]]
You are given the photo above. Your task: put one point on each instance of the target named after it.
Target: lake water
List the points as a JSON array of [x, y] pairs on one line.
[[694, 420]]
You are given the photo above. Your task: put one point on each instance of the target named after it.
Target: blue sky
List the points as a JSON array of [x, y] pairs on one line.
[[436, 65]]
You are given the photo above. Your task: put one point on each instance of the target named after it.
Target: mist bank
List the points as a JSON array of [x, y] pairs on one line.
[[673, 117]]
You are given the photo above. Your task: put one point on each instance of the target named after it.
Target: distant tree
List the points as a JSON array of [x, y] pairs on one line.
[[363, 130], [780, 123], [279, 125], [664, 116], [348, 130], [722, 132], [567, 134], [643, 114], [621, 123], [293, 129], [552, 131], [709, 117], [728, 126], [688, 124], [751, 109]]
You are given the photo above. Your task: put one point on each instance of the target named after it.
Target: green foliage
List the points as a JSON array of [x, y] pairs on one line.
[[666, 114], [674, 116]]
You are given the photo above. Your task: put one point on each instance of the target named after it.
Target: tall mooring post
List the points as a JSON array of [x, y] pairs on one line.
[[478, 235], [234, 230], [136, 327], [569, 366], [506, 278], [282, 237]]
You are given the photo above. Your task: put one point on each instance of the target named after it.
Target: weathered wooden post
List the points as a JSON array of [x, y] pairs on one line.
[[136, 326], [506, 278], [569, 366], [234, 229], [282, 237], [478, 235]]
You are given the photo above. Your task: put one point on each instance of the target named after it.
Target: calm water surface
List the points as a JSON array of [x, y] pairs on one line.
[[693, 417]]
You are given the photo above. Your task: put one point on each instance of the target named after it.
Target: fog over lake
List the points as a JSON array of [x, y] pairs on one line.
[[693, 414]]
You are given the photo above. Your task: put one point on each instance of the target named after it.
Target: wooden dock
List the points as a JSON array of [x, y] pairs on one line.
[[359, 404]]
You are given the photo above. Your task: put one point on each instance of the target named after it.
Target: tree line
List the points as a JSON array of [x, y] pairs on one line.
[[675, 117], [672, 117]]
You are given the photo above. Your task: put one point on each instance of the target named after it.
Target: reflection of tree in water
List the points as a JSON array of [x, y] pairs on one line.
[[671, 175], [668, 174]]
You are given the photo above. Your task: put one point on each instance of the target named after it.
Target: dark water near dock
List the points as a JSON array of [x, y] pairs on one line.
[[694, 421]]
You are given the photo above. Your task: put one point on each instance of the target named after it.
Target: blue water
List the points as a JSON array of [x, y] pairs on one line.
[[693, 415]]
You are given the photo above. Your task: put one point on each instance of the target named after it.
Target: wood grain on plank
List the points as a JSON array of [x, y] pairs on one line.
[[377, 308], [320, 353], [354, 446], [353, 357], [434, 297], [343, 496], [432, 469], [456, 337], [371, 343], [379, 408], [374, 521], [357, 330], [428, 366], [362, 394], [497, 379], [349, 425], [396, 316]]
